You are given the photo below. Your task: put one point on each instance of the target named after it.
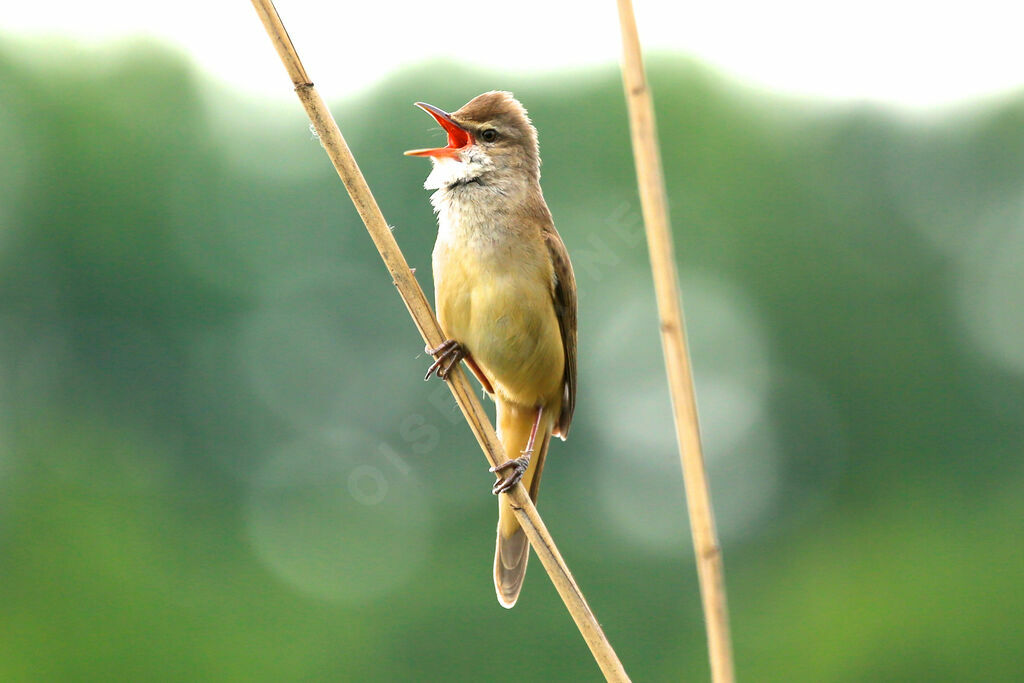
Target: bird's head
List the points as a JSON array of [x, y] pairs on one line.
[[491, 135]]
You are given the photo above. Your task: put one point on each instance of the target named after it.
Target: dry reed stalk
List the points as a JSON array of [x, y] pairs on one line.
[[422, 314], [673, 338]]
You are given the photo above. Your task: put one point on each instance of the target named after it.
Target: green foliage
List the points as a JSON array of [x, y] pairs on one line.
[[217, 461]]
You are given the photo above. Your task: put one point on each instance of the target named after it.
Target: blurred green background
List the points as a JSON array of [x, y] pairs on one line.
[[218, 460]]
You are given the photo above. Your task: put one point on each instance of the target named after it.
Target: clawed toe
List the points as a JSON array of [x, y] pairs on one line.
[[448, 355], [518, 466]]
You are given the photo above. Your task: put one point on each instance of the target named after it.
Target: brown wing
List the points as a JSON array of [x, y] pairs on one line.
[[564, 296]]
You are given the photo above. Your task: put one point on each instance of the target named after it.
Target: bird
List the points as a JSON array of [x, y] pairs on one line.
[[505, 295]]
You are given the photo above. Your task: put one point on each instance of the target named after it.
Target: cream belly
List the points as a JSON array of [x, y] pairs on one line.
[[504, 316]]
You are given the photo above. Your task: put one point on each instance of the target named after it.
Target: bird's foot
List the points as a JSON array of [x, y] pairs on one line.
[[518, 467], [447, 356]]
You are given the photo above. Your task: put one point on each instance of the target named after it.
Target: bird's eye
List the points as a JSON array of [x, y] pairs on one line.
[[489, 135]]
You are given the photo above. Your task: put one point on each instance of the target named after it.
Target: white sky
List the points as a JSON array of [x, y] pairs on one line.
[[911, 53]]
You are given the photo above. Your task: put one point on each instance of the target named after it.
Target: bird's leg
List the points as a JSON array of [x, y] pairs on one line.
[[517, 465], [451, 352], [448, 355]]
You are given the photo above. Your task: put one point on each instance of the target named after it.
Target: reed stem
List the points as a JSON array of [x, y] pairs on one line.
[[423, 315], [651, 181]]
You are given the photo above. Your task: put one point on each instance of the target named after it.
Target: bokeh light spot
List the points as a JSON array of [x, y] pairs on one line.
[[990, 297], [335, 520]]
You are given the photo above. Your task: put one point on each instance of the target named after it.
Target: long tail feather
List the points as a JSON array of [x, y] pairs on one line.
[[512, 548]]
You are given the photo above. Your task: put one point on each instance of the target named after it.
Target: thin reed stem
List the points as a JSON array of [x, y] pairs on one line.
[[673, 339], [422, 314]]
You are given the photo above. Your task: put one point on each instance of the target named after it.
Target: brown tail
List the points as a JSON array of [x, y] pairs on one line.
[[512, 549]]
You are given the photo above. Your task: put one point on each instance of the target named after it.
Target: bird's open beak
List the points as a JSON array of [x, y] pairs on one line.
[[458, 137]]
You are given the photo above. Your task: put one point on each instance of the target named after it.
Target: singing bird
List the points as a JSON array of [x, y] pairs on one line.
[[505, 296]]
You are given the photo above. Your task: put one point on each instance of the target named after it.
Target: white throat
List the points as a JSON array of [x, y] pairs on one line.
[[448, 171], [471, 201]]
